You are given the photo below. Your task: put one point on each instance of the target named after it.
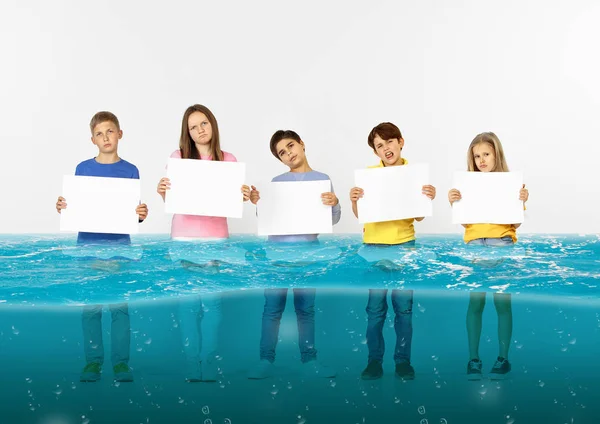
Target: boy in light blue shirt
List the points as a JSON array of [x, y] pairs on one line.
[[288, 147]]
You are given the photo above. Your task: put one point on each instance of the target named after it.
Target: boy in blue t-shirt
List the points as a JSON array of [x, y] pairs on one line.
[[288, 147], [106, 133]]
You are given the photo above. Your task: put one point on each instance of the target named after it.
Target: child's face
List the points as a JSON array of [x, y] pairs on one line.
[[200, 128], [388, 150], [106, 137], [484, 156], [291, 152]]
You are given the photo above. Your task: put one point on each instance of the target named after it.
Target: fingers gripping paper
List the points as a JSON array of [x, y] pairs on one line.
[[393, 193], [100, 204], [203, 187], [287, 208], [488, 198]]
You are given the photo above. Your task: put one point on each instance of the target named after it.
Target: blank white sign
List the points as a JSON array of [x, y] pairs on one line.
[[393, 192], [100, 204], [295, 207], [205, 187], [488, 198]]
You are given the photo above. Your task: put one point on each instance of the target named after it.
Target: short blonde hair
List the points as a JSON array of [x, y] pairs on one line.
[[101, 117], [493, 140]]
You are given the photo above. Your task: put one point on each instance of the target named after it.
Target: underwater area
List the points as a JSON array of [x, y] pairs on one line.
[[194, 320]]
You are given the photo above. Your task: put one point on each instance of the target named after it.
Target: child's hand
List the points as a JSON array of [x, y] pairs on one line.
[[454, 195], [142, 211], [523, 194], [254, 195], [163, 185], [429, 191], [61, 204], [356, 193], [329, 199], [246, 192]]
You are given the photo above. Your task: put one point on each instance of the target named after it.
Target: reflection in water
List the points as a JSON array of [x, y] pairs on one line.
[[553, 376]]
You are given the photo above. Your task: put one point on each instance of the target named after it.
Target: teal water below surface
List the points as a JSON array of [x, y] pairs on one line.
[[175, 310]]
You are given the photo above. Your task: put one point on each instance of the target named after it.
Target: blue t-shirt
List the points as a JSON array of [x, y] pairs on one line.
[[120, 169], [336, 211]]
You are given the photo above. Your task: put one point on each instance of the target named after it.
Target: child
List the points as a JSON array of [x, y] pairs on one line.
[[106, 133], [485, 154], [387, 143], [288, 147], [200, 140]]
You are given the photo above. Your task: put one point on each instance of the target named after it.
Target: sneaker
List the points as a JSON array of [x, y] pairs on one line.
[[91, 372], [405, 371], [315, 369], [500, 369], [373, 371], [210, 369], [474, 370], [193, 371], [264, 369], [123, 373]]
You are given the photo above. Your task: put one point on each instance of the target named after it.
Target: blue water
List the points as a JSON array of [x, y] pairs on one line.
[[553, 281]]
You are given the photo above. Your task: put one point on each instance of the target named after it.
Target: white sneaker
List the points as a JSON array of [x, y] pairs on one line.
[[193, 371], [316, 369], [264, 369], [210, 369]]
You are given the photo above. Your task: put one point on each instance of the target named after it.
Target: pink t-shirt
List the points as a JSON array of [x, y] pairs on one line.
[[194, 226]]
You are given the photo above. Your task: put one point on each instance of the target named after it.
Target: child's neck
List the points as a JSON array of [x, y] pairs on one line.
[[204, 150], [305, 167], [107, 158], [399, 162]]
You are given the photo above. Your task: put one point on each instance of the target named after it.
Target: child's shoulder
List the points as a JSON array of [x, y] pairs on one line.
[[176, 154], [317, 176], [124, 164], [228, 157]]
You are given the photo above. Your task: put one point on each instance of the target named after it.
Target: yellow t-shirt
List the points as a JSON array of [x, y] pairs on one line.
[[476, 231], [389, 232]]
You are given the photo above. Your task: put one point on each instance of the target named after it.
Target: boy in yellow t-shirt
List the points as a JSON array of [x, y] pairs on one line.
[[387, 143]]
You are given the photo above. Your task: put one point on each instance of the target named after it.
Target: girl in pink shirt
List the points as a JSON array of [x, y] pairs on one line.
[[200, 140]]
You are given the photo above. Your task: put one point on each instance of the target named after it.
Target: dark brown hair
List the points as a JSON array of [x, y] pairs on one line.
[[280, 135], [385, 131], [187, 146], [101, 117]]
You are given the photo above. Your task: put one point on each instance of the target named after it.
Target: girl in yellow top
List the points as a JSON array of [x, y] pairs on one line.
[[485, 154]]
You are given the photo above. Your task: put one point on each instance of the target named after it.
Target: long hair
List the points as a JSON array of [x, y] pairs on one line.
[[493, 140], [187, 146]]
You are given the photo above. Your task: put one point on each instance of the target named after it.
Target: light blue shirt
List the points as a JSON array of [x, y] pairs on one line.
[[336, 211]]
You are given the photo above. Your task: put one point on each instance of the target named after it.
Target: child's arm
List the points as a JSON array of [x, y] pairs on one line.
[[163, 185], [523, 196], [246, 192], [355, 194], [61, 204], [429, 191], [254, 195], [142, 211], [454, 196]]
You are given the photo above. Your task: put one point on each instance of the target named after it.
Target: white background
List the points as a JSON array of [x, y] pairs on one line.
[[443, 71]]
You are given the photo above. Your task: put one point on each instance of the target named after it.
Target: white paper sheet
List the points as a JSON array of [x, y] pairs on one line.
[[100, 204], [488, 198], [392, 193], [295, 207], [205, 187]]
